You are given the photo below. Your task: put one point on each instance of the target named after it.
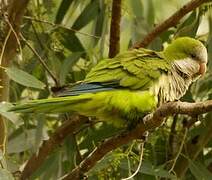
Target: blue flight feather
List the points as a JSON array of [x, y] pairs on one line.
[[85, 88]]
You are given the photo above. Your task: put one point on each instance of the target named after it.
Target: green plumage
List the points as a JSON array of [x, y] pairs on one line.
[[136, 69], [123, 89]]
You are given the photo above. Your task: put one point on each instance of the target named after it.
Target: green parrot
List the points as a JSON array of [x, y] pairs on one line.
[[122, 90]]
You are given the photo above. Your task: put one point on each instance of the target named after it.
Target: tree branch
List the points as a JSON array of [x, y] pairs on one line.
[[14, 14], [170, 22], [48, 146], [115, 29], [149, 122]]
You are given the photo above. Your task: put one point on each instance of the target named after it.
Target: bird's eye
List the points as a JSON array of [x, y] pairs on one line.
[[193, 55]]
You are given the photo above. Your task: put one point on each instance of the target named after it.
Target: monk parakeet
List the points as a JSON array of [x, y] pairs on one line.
[[123, 89]]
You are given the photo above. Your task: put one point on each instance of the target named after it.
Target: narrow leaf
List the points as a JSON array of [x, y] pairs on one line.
[[64, 6], [151, 13], [5, 175], [137, 8], [67, 64], [71, 41], [25, 141], [89, 13], [24, 78], [13, 117], [199, 171], [99, 26], [190, 26], [48, 168], [148, 168]]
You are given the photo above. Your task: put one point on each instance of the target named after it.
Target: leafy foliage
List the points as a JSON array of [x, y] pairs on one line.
[[70, 47]]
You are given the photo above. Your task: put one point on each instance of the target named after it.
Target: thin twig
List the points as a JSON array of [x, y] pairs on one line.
[[179, 151], [4, 45], [39, 40], [77, 148], [172, 135], [59, 26], [40, 60], [128, 151], [139, 165], [15, 34]]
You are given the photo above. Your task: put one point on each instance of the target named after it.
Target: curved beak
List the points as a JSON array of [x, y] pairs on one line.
[[202, 68]]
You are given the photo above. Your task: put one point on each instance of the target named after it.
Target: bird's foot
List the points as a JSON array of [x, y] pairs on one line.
[[145, 135], [146, 119]]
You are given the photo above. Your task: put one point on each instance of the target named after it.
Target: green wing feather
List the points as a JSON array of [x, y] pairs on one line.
[[136, 69]]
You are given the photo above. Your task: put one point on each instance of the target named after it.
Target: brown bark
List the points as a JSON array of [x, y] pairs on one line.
[[115, 29], [12, 15]]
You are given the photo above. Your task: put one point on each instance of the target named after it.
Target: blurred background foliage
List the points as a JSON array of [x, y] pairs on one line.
[[70, 37]]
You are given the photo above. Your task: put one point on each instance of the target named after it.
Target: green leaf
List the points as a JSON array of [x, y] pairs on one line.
[[13, 117], [25, 141], [100, 21], [64, 6], [150, 13], [89, 13], [3, 160], [105, 162], [137, 8], [191, 18], [24, 78], [190, 26], [99, 132], [67, 64], [71, 152], [99, 25], [199, 171], [203, 87], [70, 41], [41, 132], [148, 168], [5, 175], [68, 38], [49, 168]]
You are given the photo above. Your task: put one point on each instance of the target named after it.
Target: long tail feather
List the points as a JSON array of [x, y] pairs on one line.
[[53, 105]]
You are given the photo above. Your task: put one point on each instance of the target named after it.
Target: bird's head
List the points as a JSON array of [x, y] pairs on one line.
[[188, 55]]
